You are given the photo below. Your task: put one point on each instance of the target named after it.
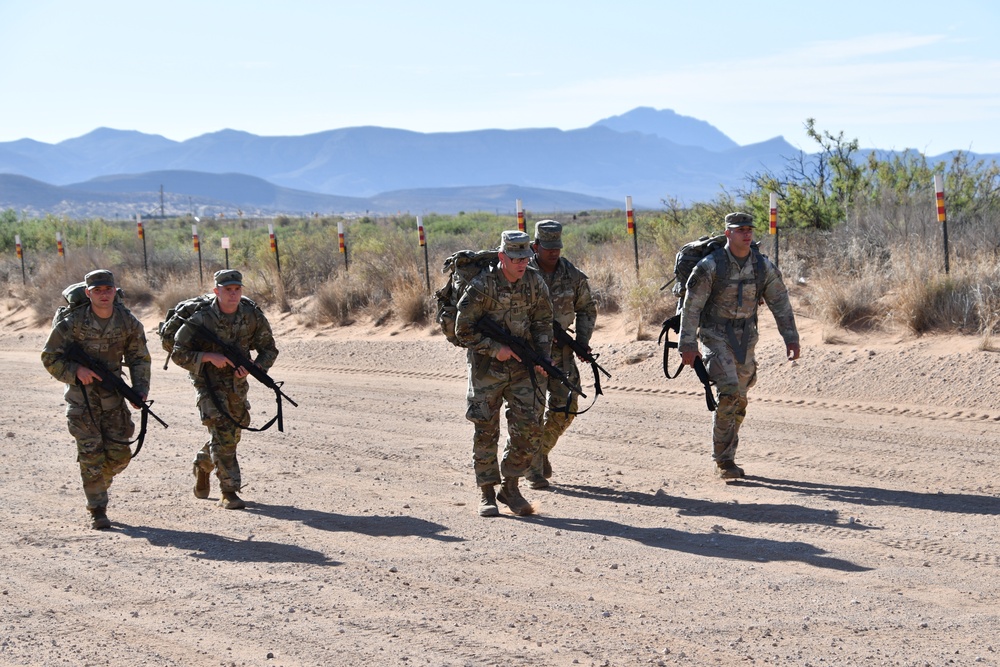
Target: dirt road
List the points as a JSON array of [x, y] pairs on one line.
[[865, 533]]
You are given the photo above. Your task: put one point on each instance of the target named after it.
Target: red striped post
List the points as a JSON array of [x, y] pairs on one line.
[[941, 215], [274, 248], [343, 245], [142, 237], [20, 256], [423, 244], [630, 222], [520, 215], [197, 249], [773, 222], [59, 245]]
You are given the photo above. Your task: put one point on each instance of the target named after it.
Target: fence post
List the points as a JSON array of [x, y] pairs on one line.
[[942, 217]]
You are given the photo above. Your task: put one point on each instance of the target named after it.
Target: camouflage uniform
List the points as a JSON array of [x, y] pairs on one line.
[[248, 329], [120, 337], [523, 308], [706, 314], [574, 309]]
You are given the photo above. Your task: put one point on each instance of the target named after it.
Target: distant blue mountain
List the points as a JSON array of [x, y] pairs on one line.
[[648, 154], [666, 124]]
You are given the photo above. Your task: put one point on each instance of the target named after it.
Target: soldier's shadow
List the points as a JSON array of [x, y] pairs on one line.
[[206, 546], [374, 525], [749, 512]]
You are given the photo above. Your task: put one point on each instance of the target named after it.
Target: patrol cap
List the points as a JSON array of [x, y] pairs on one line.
[[99, 278], [738, 219], [548, 234], [228, 277], [516, 245]]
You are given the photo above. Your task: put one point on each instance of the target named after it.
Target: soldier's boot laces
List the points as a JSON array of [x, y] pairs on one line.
[[729, 470], [511, 496], [99, 518], [231, 501], [202, 483], [488, 501]]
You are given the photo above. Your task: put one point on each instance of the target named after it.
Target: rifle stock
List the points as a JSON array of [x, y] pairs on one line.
[[529, 357]]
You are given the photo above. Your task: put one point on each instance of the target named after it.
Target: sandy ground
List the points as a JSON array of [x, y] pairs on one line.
[[864, 534]]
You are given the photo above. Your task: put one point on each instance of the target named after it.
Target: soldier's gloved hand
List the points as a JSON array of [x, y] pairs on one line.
[[689, 357]]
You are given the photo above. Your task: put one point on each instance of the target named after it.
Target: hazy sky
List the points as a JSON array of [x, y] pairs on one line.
[[897, 75]]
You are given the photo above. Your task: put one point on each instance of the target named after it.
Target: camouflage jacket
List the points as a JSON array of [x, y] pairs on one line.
[[572, 304], [523, 308], [247, 328], [120, 338], [701, 308]]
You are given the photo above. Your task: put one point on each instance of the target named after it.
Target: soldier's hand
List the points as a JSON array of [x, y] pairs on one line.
[[241, 372], [539, 369], [217, 359], [86, 376], [689, 357], [793, 350], [583, 358], [506, 353]]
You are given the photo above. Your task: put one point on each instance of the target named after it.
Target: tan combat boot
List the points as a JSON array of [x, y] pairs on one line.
[[202, 483], [488, 501], [511, 496], [99, 518], [231, 501]]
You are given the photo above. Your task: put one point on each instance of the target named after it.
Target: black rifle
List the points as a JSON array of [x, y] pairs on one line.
[[527, 354], [240, 360], [563, 339], [674, 324], [113, 382]]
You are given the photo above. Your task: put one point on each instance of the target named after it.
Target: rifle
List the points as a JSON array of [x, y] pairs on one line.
[[674, 323], [113, 382], [240, 360], [529, 357], [563, 339]]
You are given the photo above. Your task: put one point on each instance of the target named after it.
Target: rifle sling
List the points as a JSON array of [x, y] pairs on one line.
[[143, 422], [223, 411], [673, 323]]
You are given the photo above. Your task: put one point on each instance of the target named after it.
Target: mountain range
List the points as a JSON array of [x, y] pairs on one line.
[[646, 153]]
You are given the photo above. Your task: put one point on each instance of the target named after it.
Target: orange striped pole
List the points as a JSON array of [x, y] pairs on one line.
[[197, 249], [773, 222], [630, 222], [20, 256], [423, 244], [520, 215], [59, 245], [941, 215], [142, 237], [343, 245], [274, 247]]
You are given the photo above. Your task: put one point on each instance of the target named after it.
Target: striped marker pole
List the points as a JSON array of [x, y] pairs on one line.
[[197, 249], [20, 256], [62, 251], [274, 247], [520, 215], [773, 223], [142, 237], [343, 245], [630, 221], [423, 244], [941, 215]]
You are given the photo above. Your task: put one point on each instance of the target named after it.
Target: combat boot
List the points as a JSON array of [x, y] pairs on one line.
[[511, 496], [99, 518], [488, 501], [202, 483], [729, 470], [536, 481], [231, 501]]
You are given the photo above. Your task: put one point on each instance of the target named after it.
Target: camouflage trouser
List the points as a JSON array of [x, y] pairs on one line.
[[556, 419], [100, 459], [502, 382], [733, 380], [219, 453]]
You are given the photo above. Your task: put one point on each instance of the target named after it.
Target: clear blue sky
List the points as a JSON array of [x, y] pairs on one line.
[[914, 74]]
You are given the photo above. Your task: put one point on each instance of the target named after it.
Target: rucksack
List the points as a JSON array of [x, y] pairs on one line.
[[76, 297], [461, 268], [172, 321], [694, 251]]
